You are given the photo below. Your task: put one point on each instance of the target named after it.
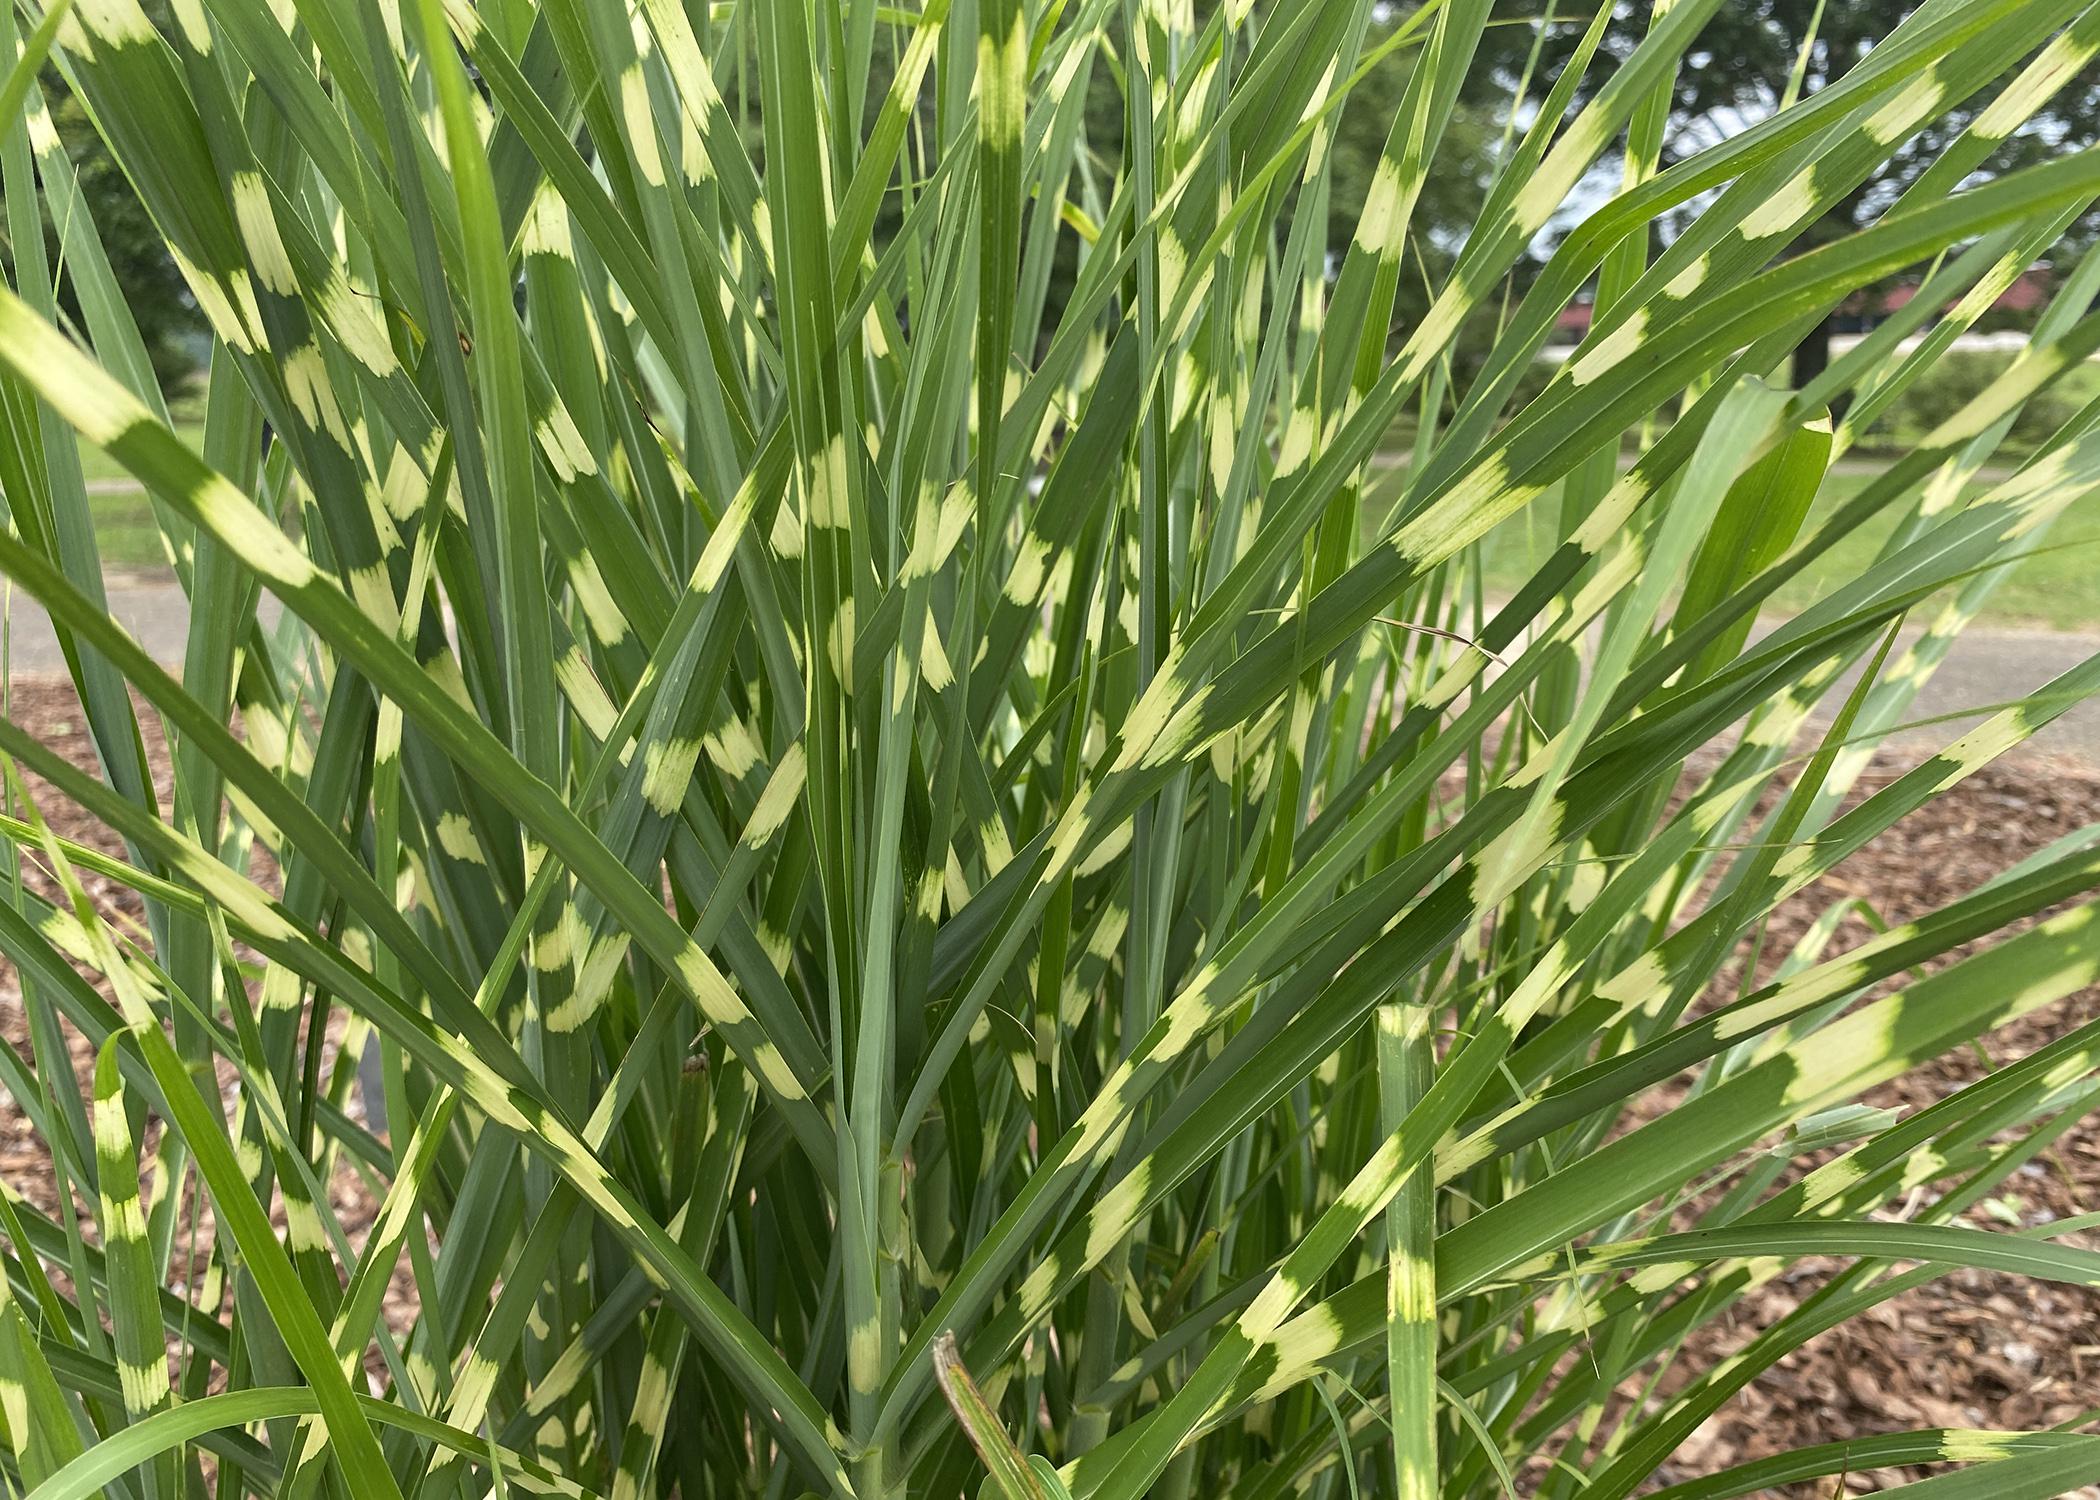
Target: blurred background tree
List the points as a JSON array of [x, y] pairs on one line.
[[1745, 63], [1450, 199], [1451, 195], [167, 317]]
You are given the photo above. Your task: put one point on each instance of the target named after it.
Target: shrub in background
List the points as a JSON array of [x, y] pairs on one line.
[[1960, 377], [939, 908]]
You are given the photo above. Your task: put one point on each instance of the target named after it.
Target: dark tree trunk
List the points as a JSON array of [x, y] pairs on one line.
[[1812, 358], [1812, 354]]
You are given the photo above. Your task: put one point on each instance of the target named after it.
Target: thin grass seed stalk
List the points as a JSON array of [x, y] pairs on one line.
[[899, 711]]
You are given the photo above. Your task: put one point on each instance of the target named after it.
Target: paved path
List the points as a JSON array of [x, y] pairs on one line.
[[1987, 665], [154, 610], [1991, 664]]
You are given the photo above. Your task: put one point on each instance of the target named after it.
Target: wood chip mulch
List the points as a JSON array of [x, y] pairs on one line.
[[1971, 1349]]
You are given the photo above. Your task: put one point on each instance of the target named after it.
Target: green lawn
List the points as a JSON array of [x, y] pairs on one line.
[[125, 531], [124, 526], [97, 465], [2058, 589]]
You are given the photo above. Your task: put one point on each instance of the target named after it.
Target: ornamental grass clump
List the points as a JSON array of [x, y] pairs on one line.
[[892, 733]]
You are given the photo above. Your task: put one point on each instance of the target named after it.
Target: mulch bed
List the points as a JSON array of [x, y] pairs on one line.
[[1972, 1349], [1975, 1347]]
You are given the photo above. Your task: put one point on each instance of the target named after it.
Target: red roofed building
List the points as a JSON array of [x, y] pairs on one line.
[[2015, 305], [1861, 311]]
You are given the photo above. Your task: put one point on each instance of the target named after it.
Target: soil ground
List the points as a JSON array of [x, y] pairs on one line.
[[1971, 1349]]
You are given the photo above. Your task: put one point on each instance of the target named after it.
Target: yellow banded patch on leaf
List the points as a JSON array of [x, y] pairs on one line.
[[258, 225], [1024, 585], [456, 837], [667, 770], [641, 125], [547, 226], [313, 394], [1002, 72], [734, 748], [355, 316], [838, 645], [608, 624], [113, 23], [373, 593], [783, 788], [830, 502], [195, 26], [1382, 229]]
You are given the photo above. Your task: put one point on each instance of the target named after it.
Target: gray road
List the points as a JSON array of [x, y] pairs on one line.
[[155, 611], [1988, 665]]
